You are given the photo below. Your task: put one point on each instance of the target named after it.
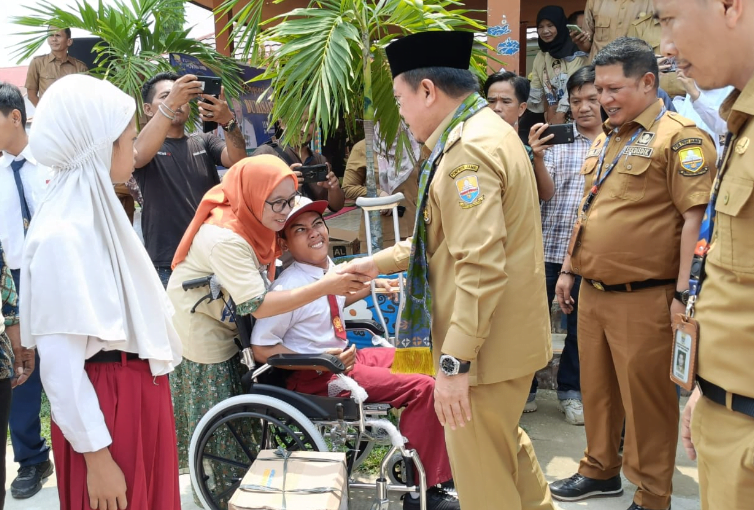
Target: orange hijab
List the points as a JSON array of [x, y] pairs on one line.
[[237, 204]]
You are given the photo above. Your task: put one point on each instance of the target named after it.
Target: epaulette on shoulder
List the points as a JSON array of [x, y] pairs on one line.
[[453, 137], [680, 119]]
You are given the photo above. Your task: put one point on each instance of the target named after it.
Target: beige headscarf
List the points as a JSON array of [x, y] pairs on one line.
[[84, 270]]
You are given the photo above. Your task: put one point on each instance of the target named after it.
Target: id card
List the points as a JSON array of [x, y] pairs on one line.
[[683, 360], [575, 237]]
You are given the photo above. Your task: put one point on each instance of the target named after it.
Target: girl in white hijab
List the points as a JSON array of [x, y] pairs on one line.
[[94, 308]]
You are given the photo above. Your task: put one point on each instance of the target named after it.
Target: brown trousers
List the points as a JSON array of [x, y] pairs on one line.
[[492, 458], [625, 348], [724, 442]]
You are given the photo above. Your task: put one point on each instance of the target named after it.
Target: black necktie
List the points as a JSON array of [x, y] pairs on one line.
[[25, 213]]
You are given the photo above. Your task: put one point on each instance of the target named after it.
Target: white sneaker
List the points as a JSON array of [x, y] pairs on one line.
[[573, 410], [530, 407]]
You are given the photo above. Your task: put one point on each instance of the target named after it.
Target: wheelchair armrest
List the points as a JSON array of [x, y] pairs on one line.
[[328, 361], [366, 325], [197, 282]]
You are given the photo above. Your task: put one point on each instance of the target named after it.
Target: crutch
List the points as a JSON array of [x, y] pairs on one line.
[[381, 204]]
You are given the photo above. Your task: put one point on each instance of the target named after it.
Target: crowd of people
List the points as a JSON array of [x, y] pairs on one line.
[[637, 224]]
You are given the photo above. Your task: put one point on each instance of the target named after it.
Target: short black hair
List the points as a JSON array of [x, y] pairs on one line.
[[66, 30], [580, 78], [454, 82], [147, 90], [574, 17], [11, 99], [520, 85], [636, 56]]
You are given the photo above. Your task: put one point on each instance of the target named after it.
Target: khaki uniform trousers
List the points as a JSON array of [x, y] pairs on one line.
[[492, 458], [724, 442], [625, 343]]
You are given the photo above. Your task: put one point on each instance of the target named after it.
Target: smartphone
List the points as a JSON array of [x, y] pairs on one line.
[[563, 134], [314, 173], [574, 28], [671, 62], [211, 85]]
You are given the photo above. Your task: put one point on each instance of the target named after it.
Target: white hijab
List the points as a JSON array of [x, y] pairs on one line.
[[84, 270]]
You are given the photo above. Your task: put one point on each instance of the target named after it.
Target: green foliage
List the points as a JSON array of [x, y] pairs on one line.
[[137, 37], [324, 52]]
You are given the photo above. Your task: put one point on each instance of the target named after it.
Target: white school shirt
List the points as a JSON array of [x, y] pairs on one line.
[[307, 330], [73, 401], [34, 178]]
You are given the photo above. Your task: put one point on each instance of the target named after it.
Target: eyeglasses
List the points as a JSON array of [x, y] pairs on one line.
[[278, 206]]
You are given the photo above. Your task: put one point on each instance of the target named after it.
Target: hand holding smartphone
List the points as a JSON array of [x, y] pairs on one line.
[[314, 173]]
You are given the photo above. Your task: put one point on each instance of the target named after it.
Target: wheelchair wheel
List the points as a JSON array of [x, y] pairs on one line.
[[229, 437]]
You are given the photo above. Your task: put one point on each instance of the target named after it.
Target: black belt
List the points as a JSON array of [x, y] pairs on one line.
[[629, 287], [111, 357], [739, 403]]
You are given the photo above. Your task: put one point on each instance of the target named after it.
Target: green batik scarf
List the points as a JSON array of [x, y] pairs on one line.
[[414, 353]]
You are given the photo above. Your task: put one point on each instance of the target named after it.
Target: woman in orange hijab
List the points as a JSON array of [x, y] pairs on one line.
[[234, 237]]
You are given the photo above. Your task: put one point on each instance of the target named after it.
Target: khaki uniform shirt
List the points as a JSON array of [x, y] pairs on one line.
[[648, 29], [725, 309], [354, 187], [608, 20], [485, 255], [632, 231], [45, 69], [208, 333]]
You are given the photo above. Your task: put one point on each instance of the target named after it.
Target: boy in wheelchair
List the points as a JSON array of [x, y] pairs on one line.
[[318, 328]]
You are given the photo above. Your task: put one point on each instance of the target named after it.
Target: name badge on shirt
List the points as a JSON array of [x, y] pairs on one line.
[[683, 360]]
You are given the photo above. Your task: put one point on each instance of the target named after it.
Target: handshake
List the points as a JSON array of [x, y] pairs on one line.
[[353, 278]]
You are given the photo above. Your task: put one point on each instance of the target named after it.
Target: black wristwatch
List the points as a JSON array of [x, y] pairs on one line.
[[452, 366], [683, 296]]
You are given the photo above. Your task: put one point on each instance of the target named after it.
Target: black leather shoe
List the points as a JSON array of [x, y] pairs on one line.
[[634, 506], [579, 487], [30, 479], [437, 499]]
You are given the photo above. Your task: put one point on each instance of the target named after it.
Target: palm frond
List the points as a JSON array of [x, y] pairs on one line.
[[135, 42]]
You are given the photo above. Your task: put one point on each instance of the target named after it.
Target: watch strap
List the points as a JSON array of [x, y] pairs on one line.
[[464, 367]]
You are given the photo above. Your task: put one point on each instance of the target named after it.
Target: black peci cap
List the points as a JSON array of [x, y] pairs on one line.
[[430, 49]]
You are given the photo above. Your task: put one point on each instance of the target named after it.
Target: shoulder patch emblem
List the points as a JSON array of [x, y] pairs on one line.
[[468, 167], [686, 142], [642, 152], [645, 138], [692, 162], [468, 190], [453, 137]]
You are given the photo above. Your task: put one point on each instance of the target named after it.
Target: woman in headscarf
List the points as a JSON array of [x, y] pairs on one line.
[[233, 236], [93, 307], [558, 58]]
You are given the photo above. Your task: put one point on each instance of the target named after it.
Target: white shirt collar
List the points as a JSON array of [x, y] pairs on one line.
[[313, 271], [7, 158]]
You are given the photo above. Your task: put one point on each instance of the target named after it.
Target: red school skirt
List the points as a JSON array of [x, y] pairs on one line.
[[139, 415]]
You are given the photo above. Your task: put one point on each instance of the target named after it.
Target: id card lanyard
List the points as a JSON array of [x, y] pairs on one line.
[[600, 177], [705, 234]]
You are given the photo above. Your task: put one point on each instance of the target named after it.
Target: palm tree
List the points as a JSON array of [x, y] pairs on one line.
[[136, 39], [329, 63]]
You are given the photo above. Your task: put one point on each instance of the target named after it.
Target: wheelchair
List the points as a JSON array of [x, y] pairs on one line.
[[269, 416]]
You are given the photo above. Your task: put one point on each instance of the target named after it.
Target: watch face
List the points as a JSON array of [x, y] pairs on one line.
[[448, 365]]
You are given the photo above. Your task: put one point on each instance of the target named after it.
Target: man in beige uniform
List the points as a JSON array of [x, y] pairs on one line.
[[354, 187], [486, 273], [647, 28], [607, 20], [633, 250], [722, 424], [45, 69]]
